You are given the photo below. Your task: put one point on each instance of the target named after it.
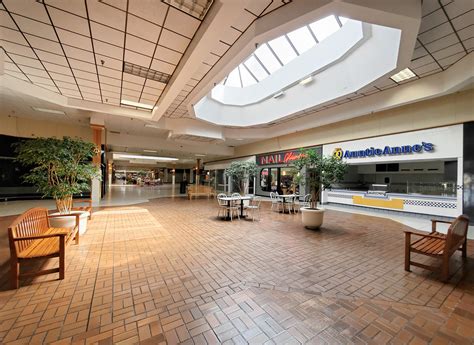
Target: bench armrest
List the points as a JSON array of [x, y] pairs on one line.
[[435, 221], [59, 234], [424, 234]]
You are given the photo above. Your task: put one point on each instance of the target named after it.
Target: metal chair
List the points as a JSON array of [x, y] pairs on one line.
[[235, 205], [295, 205], [222, 204], [306, 201], [280, 202], [274, 200], [254, 207]]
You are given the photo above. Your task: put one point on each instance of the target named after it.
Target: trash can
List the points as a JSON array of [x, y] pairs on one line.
[[182, 187]]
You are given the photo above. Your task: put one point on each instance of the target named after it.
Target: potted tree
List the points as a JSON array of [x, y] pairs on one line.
[[60, 168], [317, 172], [241, 172]]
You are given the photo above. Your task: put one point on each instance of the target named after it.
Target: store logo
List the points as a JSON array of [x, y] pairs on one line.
[[338, 153], [386, 151]]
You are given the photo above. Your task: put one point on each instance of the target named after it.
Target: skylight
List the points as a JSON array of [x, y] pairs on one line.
[[271, 56]]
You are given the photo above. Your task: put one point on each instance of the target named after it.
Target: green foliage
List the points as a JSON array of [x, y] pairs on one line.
[[240, 172], [316, 171], [59, 167]]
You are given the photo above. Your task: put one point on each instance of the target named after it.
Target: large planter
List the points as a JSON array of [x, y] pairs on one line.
[[312, 218], [70, 222]]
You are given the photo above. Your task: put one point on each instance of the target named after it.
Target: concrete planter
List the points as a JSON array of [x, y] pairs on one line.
[[70, 222], [312, 218]]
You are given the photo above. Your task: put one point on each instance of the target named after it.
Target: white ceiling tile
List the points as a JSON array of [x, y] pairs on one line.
[[76, 7], [36, 28], [108, 50], [17, 49], [109, 81], [12, 36], [464, 20], [151, 93], [79, 54], [53, 58], [74, 39], [140, 46], [137, 59], [458, 7], [109, 88], [130, 95], [153, 84], [151, 10], [102, 13], [243, 20], [6, 20], [167, 55], [65, 85], [90, 90], [421, 61], [426, 68], [57, 69], [436, 33], [46, 80], [469, 44], [22, 60], [454, 49], [432, 20], [419, 52], [121, 4], [17, 75], [30, 71], [452, 59], [429, 6], [173, 41], [181, 23], [48, 87], [143, 28], [106, 93], [442, 43], [106, 34], [62, 78], [69, 21], [162, 67], [84, 66], [71, 93], [132, 87], [466, 33], [85, 76], [109, 62], [30, 9], [113, 101], [86, 83], [10, 66], [108, 72], [44, 44]]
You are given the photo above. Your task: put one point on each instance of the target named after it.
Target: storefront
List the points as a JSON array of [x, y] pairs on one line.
[[221, 183], [275, 172], [416, 172]]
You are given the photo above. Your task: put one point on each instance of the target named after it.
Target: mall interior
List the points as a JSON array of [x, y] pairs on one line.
[[169, 244]]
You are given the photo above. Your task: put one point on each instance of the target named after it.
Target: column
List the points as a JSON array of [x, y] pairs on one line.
[[198, 164], [97, 140]]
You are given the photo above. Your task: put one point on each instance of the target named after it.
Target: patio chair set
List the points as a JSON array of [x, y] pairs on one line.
[[238, 206], [290, 203]]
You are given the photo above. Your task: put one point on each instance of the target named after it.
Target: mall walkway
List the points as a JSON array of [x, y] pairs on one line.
[[170, 271]]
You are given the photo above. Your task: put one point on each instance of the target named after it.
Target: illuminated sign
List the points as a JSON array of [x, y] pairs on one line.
[[285, 157], [386, 151]]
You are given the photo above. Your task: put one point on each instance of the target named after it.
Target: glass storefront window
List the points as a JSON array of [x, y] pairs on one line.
[[286, 181], [264, 179]]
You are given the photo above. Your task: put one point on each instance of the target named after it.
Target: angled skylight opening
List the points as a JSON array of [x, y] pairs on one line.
[[270, 56], [325, 27]]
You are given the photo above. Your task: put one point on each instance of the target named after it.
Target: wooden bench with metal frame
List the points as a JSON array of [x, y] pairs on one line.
[[438, 245], [31, 237], [200, 190]]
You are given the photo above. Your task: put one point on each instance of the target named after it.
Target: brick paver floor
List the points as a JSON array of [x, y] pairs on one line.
[[169, 271]]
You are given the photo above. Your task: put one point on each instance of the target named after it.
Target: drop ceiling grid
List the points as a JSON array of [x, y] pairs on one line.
[[258, 10], [69, 40]]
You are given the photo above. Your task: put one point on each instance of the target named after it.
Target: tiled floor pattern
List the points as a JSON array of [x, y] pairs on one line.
[[169, 272]]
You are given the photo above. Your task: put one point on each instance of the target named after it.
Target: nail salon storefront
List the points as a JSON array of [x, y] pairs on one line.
[[275, 172], [416, 172]]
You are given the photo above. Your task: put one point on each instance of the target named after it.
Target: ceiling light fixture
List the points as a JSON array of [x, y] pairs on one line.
[[136, 104], [199, 155], [306, 80], [278, 94], [239, 139], [51, 111], [403, 75], [197, 9], [151, 151], [155, 158]]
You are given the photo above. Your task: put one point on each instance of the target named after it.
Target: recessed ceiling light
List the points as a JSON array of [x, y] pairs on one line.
[[278, 94], [152, 126], [136, 104], [51, 111], [403, 75], [152, 151], [306, 80], [199, 155], [197, 9], [239, 139], [155, 158]]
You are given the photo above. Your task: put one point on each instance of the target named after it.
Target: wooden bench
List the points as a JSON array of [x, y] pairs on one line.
[[438, 245], [87, 207], [31, 237], [200, 190]]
